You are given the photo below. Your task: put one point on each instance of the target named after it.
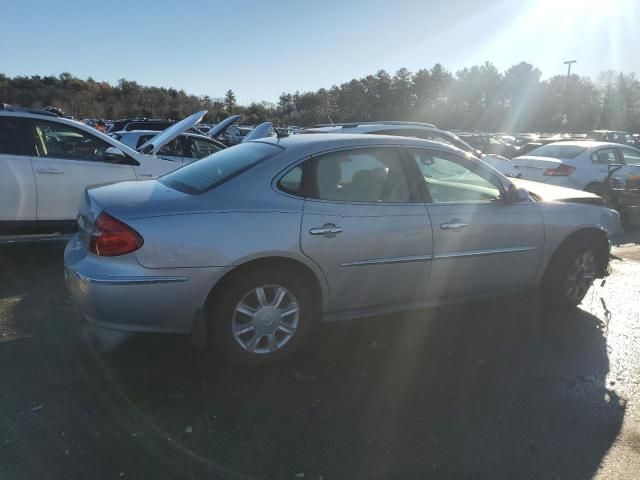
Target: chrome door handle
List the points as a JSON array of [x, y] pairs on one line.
[[50, 171], [148, 175], [454, 225], [328, 230]]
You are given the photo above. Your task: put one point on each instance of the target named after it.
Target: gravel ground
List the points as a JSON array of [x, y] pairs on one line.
[[490, 390]]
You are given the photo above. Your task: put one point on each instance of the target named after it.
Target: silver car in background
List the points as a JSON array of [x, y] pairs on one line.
[[247, 249], [425, 131]]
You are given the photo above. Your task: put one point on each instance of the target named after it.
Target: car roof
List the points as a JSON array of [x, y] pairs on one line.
[[585, 143], [337, 140], [371, 127]]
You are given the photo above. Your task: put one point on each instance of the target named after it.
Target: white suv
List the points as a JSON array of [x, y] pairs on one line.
[[426, 131], [46, 162]]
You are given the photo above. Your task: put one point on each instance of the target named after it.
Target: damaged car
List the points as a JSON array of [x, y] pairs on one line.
[[248, 249]]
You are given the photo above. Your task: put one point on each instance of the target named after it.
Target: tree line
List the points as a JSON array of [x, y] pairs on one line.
[[478, 98]]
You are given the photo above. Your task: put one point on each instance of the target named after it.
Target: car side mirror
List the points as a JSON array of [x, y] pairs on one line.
[[516, 195], [114, 154]]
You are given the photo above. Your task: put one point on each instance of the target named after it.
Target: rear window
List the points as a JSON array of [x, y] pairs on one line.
[[211, 171], [557, 151]]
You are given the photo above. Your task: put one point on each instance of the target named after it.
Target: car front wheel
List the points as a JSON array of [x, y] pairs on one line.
[[570, 276]]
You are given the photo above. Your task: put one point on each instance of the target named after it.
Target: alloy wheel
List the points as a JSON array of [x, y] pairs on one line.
[[580, 277], [265, 319]]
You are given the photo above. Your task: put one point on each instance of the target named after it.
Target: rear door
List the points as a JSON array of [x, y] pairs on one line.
[[481, 245], [17, 182], [631, 158], [66, 161], [365, 228]]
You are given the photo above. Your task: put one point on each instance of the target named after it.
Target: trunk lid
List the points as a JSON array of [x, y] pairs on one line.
[[261, 131], [533, 167], [127, 200], [220, 127]]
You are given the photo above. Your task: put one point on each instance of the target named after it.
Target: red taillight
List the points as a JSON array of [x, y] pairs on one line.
[[561, 171], [113, 237]]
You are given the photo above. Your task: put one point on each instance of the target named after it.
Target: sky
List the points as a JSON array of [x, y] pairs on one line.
[[263, 48]]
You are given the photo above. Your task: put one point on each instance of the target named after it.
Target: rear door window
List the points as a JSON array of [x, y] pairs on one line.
[[604, 156], [362, 175], [14, 137]]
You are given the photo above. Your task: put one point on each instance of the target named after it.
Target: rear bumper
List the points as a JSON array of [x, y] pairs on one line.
[[119, 294]]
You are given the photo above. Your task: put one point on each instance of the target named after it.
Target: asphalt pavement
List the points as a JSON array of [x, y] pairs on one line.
[[490, 390]]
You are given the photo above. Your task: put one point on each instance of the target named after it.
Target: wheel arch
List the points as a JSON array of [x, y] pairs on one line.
[[281, 260], [594, 236]]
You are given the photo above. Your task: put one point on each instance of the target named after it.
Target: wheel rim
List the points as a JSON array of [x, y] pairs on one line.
[[265, 319], [581, 276]]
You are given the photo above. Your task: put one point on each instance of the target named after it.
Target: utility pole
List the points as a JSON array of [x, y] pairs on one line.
[[566, 93]]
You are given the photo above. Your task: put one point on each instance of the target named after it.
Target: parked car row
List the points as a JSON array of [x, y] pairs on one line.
[[246, 248]]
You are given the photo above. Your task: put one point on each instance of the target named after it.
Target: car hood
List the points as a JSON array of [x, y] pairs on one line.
[[220, 127], [261, 131], [552, 193], [154, 144]]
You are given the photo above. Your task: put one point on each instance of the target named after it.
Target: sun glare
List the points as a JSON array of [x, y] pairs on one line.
[[588, 8]]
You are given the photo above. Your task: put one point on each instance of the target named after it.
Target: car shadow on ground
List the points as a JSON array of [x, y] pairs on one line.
[[497, 389]]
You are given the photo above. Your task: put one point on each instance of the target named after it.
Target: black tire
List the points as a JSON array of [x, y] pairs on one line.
[[221, 308], [555, 293]]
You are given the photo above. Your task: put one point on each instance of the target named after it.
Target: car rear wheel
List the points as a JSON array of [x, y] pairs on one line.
[[570, 276], [259, 317]]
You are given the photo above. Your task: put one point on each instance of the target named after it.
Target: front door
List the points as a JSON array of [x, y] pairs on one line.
[[481, 244], [365, 228], [67, 161]]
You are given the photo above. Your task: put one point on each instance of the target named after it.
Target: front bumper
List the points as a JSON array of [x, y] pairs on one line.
[[119, 294]]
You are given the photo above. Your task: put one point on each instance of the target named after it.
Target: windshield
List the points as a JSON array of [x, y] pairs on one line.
[[211, 171], [557, 151]]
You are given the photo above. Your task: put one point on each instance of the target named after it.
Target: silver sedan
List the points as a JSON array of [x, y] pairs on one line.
[[247, 249]]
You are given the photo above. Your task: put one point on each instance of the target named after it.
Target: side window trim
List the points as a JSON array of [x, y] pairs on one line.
[[418, 187]]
